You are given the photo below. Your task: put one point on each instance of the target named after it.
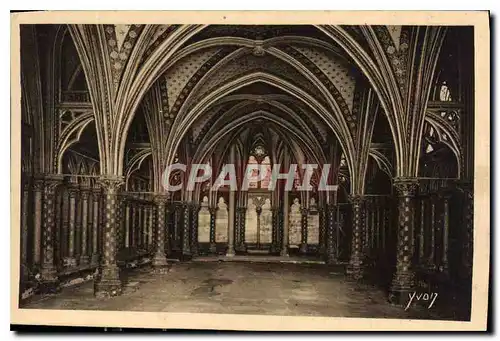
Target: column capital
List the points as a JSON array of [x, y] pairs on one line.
[[356, 199], [406, 187], [73, 189], [38, 183], [161, 198], [111, 183], [55, 179]]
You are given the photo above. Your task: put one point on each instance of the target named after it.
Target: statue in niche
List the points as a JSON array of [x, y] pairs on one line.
[[266, 222], [204, 222], [221, 222], [251, 222], [295, 223], [312, 204], [222, 204], [204, 201]]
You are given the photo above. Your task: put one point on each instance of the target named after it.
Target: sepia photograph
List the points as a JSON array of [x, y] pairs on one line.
[[239, 171]]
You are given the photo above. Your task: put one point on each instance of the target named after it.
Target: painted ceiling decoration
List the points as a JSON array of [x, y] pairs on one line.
[[188, 78]]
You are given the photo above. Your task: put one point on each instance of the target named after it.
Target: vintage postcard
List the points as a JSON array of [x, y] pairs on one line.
[[251, 170]]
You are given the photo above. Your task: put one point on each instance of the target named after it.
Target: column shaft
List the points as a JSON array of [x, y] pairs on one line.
[[356, 266], [109, 283], [404, 277]]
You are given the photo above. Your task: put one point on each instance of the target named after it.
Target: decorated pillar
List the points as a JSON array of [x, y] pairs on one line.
[[194, 228], [186, 222], [404, 277], [73, 192], [48, 270], [230, 230], [168, 228], [151, 231], [431, 260], [421, 231], [213, 247], [241, 211], [84, 256], [160, 259], [38, 188], [96, 198], [145, 225], [322, 230], [109, 284], [331, 253], [284, 241], [355, 268], [25, 228], [127, 223], [446, 232], [275, 247], [467, 234], [303, 231]]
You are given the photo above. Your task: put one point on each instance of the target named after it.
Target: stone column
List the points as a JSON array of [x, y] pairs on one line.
[[421, 232], [140, 226], [194, 228], [213, 212], [365, 239], [151, 224], [186, 223], [25, 229], [275, 247], [84, 257], [322, 230], [96, 193], [127, 223], [168, 229], [145, 227], [242, 212], [109, 283], [331, 253], [431, 262], [160, 259], [468, 225], [404, 277], [286, 208], [230, 230], [38, 188], [73, 191], [303, 243], [446, 231], [355, 268], [177, 227], [49, 271]]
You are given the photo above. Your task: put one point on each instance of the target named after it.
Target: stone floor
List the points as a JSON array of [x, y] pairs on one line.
[[238, 287]]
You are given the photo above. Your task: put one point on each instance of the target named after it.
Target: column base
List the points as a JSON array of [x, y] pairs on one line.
[[109, 283], [284, 252], [331, 259], [401, 287], [160, 260], [105, 288], [355, 270], [49, 283], [230, 252]]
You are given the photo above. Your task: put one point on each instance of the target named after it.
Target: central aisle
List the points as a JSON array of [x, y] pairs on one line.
[[239, 287]]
